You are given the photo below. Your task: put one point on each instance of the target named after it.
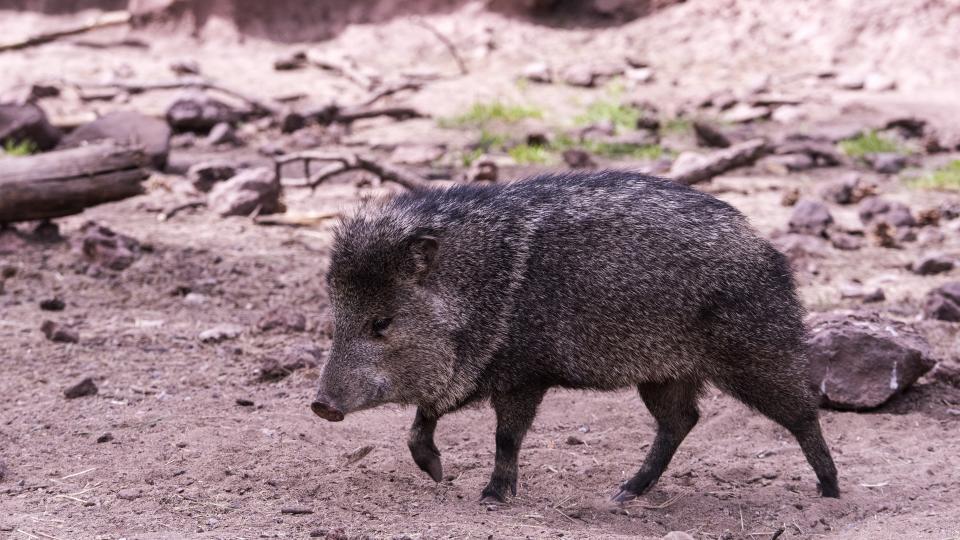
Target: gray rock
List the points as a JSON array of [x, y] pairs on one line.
[[84, 388], [786, 163], [205, 175], [199, 113], [810, 217], [284, 319], [223, 133], [743, 112], [220, 333], [576, 158], [929, 265], [126, 127], [846, 241], [27, 122], [58, 333], [247, 191], [710, 136], [292, 121], [873, 209], [860, 362], [886, 162], [538, 72], [106, 248], [850, 81], [878, 82], [850, 189], [129, 494]]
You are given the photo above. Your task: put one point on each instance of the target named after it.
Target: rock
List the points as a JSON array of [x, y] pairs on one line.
[[810, 217], [800, 247], [58, 333], [940, 307], [677, 535], [876, 295], [943, 372], [292, 121], [283, 318], [538, 72], [878, 82], [909, 127], [417, 154], [930, 236], [886, 162], [787, 114], [897, 214], [857, 292], [850, 189], [185, 67], [786, 163], [822, 152], [199, 113], [297, 60], [929, 265], [126, 127], [244, 402], [590, 75], [790, 197], [129, 494], [105, 438], [203, 176], [850, 81], [710, 136], [220, 333], [296, 510], [846, 241], [223, 133], [52, 304], [641, 75], [860, 362], [273, 369], [742, 113], [250, 190], [483, 169], [573, 440], [84, 388], [649, 123], [106, 248], [27, 122], [576, 158]]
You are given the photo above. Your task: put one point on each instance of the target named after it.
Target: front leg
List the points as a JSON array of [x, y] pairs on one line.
[[421, 444], [515, 413]]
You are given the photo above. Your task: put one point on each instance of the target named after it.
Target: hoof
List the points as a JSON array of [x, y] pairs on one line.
[[624, 496], [428, 459]]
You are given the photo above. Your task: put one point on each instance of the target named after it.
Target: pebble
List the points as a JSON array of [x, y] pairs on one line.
[[84, 388]]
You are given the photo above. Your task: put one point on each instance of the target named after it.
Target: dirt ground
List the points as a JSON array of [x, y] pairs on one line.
[[200, 447]]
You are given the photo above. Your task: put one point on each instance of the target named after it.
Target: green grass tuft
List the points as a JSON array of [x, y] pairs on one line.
[[624, 150], [868, 143], [622, 116], [946, 178], [22, 148], [482, 114], [525, 154]]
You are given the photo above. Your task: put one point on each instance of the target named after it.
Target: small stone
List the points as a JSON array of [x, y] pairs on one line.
[[283, 318], [129, 494], [185, 67], [105, 438], [850, 81], [810, 217], [878, 82], [576, 158], [52, 304], [850, 189], [204, 175], [250, 190], [932, 264], [930, 236], [877, 295], [790, 197], [538, 72], [297, 60], [243, 402], [84, 388], [198, 112], [223, 133], [58, 333], [292, 121], [106, 248], [643, 75], [786, 163], [886, 162], [710, 136], [897, 214], [573, 440], [220, 333], [296, 510], [677, 535], [846, 241], [483, 169], [787, 114], [743, 113], [943, 303]]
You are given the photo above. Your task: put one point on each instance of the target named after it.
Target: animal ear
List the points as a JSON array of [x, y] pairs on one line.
[[422, 252]]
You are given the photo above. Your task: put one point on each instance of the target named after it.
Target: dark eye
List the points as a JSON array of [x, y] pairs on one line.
[[379, 326]]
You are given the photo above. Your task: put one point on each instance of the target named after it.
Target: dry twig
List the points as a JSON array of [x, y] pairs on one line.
[[451, 48], [350, 162], [105, 20]]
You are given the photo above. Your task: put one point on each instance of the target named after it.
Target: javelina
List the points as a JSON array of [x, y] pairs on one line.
[[442, 298]]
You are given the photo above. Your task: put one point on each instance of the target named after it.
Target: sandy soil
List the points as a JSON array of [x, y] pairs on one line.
[[189, 457]]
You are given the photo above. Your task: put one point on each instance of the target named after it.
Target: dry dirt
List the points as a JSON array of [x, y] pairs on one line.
[[187, 460]]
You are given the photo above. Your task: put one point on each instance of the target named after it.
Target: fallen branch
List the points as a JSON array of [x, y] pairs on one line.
[[335, 114], [200, 84], [390, 90], [105, 20], [65, 182], [350, 162], [451, 48], [738, 155], [346, 69]]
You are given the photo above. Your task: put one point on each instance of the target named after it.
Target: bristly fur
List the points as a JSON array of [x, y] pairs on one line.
[[584, 280]]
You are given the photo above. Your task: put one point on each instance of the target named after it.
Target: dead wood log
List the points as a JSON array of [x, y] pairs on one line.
[[66, 182], [106, 20], [345, 162], [738, 155]]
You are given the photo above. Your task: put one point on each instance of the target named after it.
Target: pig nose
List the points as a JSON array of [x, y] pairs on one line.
[[326, 411]]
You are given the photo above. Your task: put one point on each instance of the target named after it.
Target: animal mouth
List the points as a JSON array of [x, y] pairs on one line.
[[326, 411]]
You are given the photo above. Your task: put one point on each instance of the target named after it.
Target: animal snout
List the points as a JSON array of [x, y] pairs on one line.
[[327, 411]]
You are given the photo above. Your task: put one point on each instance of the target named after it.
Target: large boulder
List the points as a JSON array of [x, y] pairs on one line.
[[27, 122], [127, 127], [250, 190], [859, 362], [873, 209]]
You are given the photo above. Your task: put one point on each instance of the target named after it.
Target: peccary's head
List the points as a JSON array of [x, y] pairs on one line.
[[389, 342]]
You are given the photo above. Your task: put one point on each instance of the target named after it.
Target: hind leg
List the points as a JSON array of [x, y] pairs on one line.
[[674, 406], [787, 401]]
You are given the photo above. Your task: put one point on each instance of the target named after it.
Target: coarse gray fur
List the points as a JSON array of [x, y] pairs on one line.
[[605, 280]]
